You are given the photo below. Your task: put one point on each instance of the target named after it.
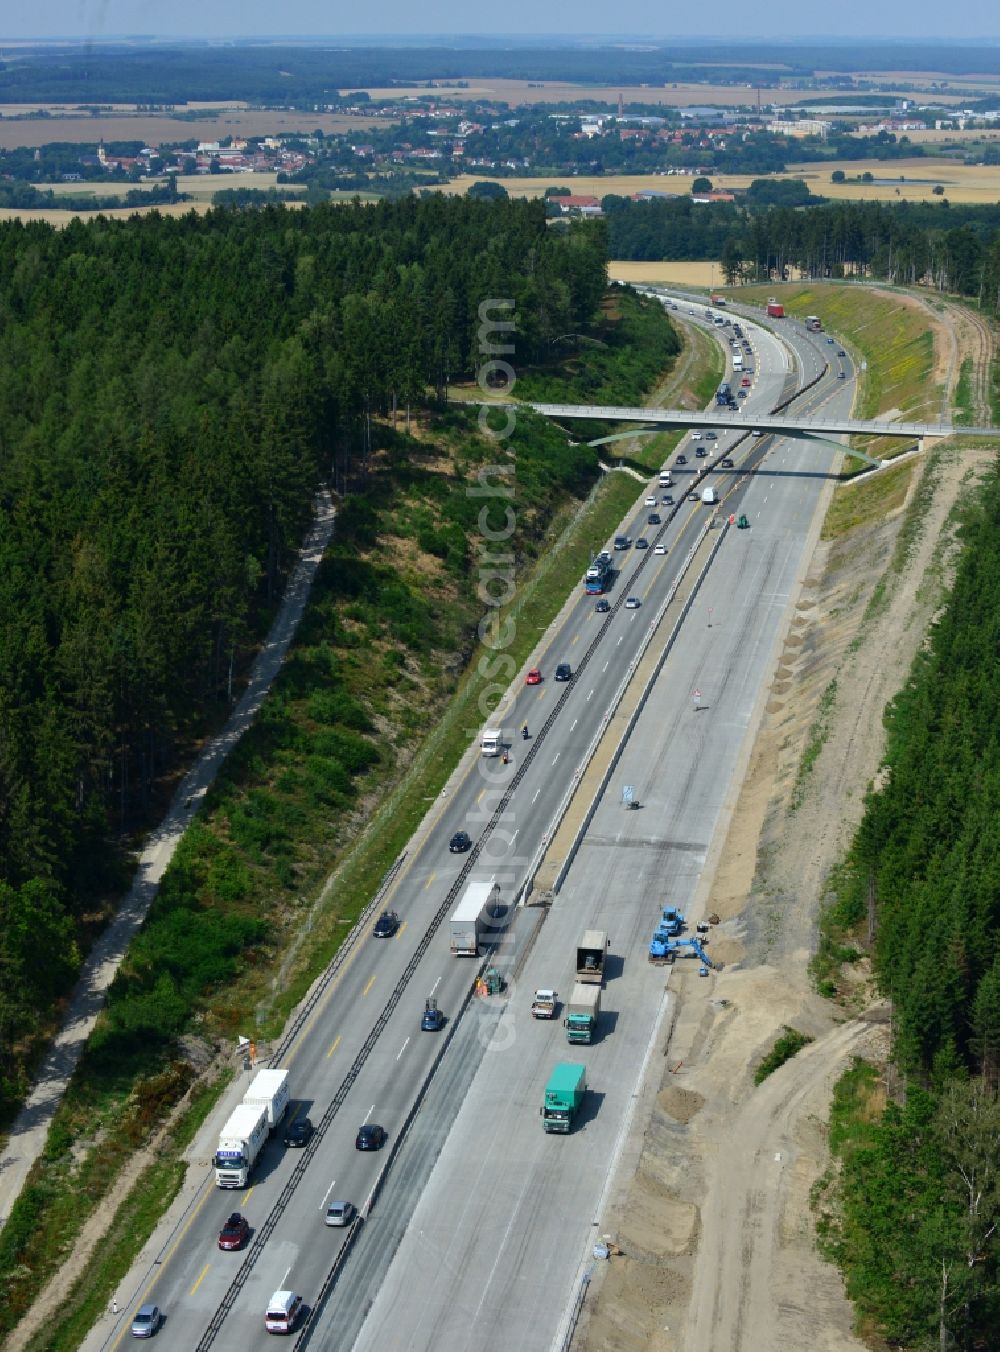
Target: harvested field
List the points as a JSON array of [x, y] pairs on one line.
[[155, 130]]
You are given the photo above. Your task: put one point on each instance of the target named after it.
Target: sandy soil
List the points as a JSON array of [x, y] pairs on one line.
[[682, 274], [718, 1248]]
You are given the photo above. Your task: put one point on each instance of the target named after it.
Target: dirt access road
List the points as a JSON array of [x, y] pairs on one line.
[[711, 1212]]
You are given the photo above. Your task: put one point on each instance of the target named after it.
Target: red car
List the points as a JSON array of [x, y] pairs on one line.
[[745, 381], [534, 677], [235, 1233]]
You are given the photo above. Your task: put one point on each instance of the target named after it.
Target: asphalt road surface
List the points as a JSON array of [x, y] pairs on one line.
[[477, 1232]]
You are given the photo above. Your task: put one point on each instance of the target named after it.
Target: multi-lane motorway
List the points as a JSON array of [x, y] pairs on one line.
[[478, 1231]]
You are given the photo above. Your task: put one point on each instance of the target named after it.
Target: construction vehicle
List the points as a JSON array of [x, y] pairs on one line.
[[269, 1090], [663, 949], [582, 1013], [563, 1096], [672, 922], [473, 917], [240, 1142], [743, 523], [590, 954], [544, 1005]]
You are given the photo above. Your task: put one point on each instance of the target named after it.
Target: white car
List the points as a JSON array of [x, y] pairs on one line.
[[660, 549], [651, 500], [632, 603]]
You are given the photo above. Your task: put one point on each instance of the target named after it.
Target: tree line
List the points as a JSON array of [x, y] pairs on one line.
[[172, 391], [919, 1234]]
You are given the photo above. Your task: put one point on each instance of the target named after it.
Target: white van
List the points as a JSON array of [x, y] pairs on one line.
[[492, 742], [283, 1310], [665, 479], [709, 496]]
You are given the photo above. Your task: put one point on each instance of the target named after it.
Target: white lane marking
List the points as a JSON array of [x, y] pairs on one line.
[[537, 792], [285, 1277], [590, 696], [327, 1194], [620, 640], [514, 836], [435, 986], [402, 1049], [368, 1114], [605, 667], [556, 757], [573, 724]]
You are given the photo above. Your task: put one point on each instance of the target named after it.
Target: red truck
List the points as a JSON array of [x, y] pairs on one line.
[[775, 309]]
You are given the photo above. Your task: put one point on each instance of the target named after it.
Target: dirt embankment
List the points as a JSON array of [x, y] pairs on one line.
[[715, 1229]]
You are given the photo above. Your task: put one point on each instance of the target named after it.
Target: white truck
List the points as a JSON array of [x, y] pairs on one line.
[[269, 1090], [709, 497], [473, 917], [240, 1142], [491, 742], [544, 1005]]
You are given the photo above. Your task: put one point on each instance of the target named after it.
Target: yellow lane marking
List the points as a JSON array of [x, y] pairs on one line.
[[200, 1279], [334, 1045], [429, 881], [371, 982]]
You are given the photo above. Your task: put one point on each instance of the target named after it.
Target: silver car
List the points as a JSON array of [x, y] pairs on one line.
[[147, 1321], [339, 1214]]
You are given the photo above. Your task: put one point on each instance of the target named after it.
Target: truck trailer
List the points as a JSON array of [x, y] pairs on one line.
[[544, 1005], [582, 1013], [590, 954], [269, 1090], [563, 1097], [240, 1142], [775, 309], [473, 918]]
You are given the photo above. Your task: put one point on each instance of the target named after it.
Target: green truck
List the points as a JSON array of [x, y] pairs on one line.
[[563, 1096], [582, 1013]]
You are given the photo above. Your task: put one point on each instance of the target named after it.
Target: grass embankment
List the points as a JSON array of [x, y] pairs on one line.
[[893, 338], [325, 790], [788, 1045]]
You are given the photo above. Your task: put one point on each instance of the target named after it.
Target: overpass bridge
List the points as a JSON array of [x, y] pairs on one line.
[[786, 425]]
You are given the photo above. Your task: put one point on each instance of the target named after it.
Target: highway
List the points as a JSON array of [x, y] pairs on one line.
[[478, 1231]]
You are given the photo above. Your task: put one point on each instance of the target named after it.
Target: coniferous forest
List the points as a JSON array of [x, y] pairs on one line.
[[172, 392]]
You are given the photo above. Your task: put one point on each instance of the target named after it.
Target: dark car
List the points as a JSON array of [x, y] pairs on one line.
[[642, 543], [563, 671], [235, 1233], [741, 394], [460, 842], [299, 1133], [622, 542], [667, 499], [711, 436], [603, 606], [841, 352], [829, 340], [682, 460], [841, 375], [147, 1321], [700, 452], [432, 1020], [386, 925], [727, 462], [653, 519], [371, 1137]]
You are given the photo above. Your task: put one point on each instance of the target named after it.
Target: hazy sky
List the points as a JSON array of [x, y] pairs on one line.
[[246, 18]]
